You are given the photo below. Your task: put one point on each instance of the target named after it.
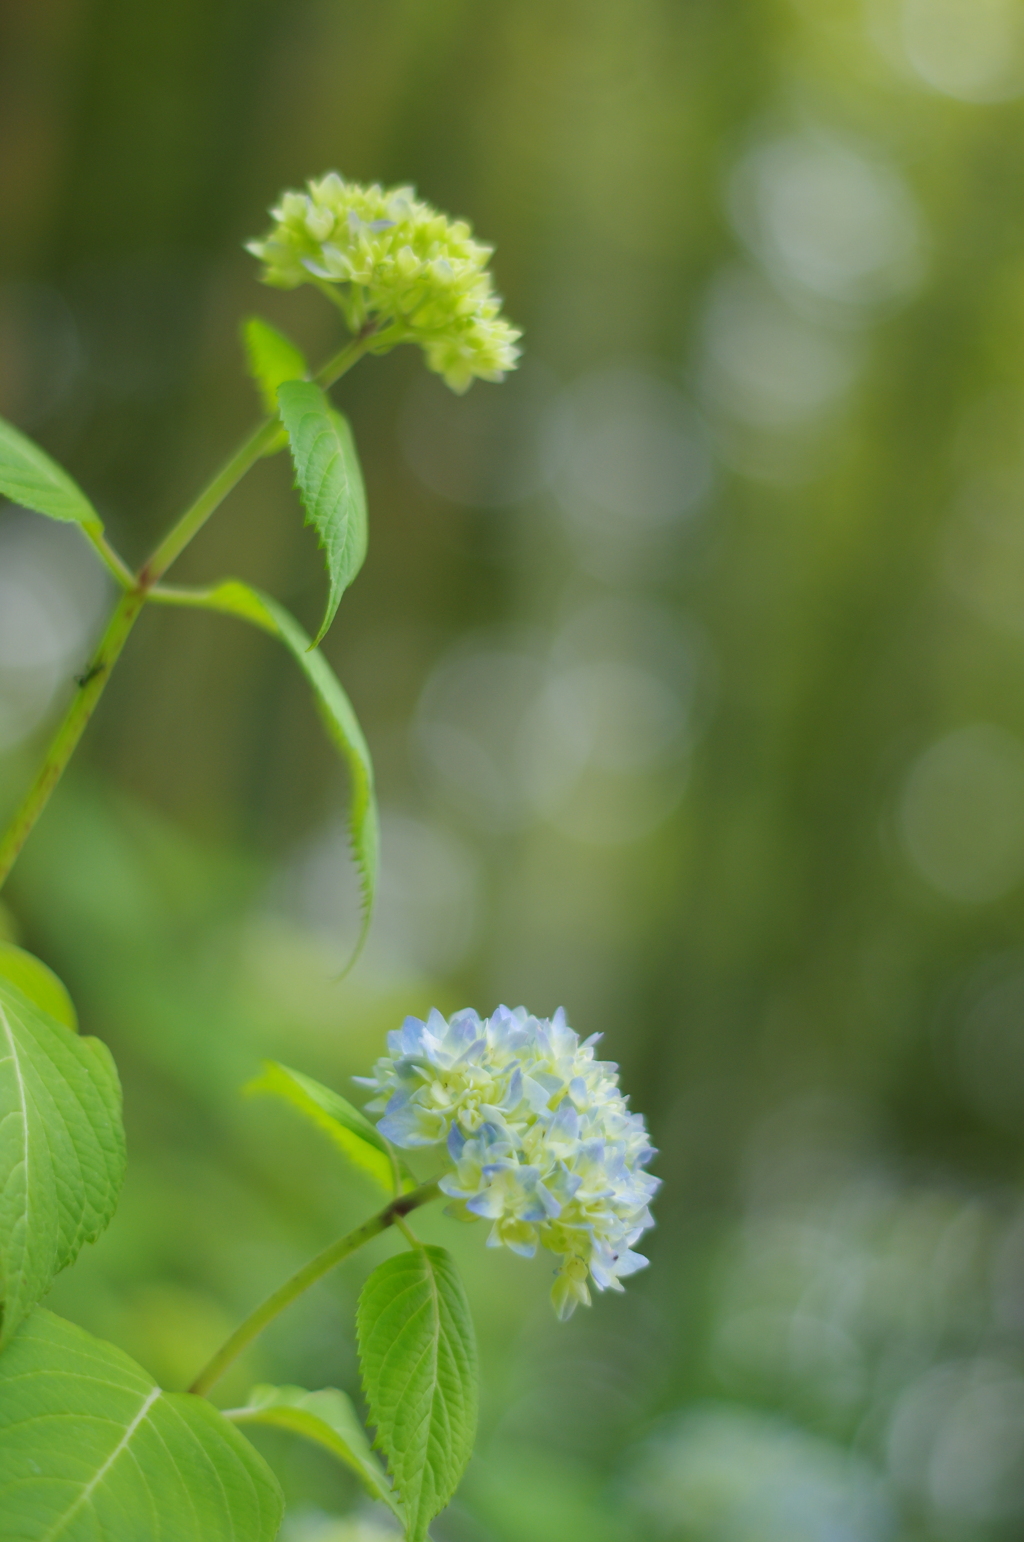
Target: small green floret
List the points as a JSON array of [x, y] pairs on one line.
[[390, 260]]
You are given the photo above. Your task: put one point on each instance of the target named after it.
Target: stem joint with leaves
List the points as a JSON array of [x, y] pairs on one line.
[[534, 1133]]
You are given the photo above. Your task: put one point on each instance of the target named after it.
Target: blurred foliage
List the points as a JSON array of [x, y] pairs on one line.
[[691, 661]]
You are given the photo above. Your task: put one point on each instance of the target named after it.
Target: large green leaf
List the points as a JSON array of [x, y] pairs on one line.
[[330, 484], [38, 982], [28, 476], [91, 1450], [417, 1355], [61, 1149], [233, 598], [350, 1130], [326, 1417]]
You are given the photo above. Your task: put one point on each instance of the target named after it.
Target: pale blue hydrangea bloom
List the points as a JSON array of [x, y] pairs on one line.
[[389, 259], [541, 1140]]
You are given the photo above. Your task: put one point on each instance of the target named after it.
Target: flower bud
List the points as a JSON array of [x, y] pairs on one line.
[[392, 261]]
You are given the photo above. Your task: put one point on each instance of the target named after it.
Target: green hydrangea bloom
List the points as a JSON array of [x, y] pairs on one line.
[[387, 258]]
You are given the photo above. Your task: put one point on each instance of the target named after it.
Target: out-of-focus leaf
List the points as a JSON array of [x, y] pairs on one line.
[[272, 359], [90, 1448], [417, 1354], [62, 1149], [38, 983], [326, 1417], [234, 598], [330, 484], [350, 1130], [29, 477]]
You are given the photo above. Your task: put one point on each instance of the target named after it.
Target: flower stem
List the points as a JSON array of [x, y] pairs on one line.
[[285, 1294], [213, 494], [343, 360], [90, 688], [137, 589]]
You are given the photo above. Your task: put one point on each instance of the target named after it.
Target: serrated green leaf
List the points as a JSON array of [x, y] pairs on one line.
[[326, 1417], [272, 359], [330, 484], [38, 982], [62, 1150], [417, 1354], [234, 598], [91, 1448], [30, 478], [350, 1130]]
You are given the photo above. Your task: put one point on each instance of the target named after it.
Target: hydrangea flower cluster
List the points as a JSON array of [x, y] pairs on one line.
[[388, 258], [541, 1140]]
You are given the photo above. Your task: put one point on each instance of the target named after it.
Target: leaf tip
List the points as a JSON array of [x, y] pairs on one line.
[[259, 1084]]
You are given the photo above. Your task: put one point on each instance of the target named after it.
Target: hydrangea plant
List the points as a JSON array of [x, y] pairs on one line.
[[534, 1134]]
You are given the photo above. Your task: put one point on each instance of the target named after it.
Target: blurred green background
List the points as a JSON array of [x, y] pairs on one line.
[[692, 662]]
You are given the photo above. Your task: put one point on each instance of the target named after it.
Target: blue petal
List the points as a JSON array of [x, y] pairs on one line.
[[566, 1123], [550, 1204], [486, 1204]]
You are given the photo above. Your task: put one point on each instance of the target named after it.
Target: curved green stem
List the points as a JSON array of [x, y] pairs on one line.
[[408, 1233], [83, 704], [181, 594], [213, 494], [137, 589], [342, 361], [396, 1170], [111, 559], [308, 1275]]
